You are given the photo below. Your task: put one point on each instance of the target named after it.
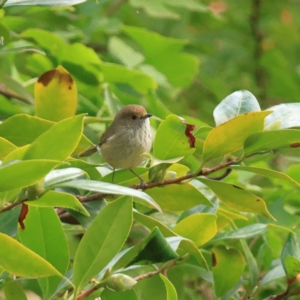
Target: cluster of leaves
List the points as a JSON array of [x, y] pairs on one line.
[[209, 223]]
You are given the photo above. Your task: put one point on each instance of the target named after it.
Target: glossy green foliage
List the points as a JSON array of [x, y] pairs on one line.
[[43, 224], [217, 216]]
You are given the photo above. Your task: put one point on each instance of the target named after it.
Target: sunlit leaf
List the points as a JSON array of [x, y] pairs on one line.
[[231, 196], [267, 173], [58, 142], [235, 104], [102, 240], [59, 199], [21, 261], [19, 174], [55, 95], [109, 188], [171, 291], [43, 224], [200, 228], [6, 147], [177, 197], [171, 140], [271, 140], [286, 113], [228, 267], [230, 136]]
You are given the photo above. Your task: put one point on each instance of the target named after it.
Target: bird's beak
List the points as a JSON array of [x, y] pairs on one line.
[[146, 116]]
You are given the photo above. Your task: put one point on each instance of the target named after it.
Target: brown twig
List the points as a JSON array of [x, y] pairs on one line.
[[88, 292], [9, 94], [158, 271], [11, 206], [137, 278], [99, 196]]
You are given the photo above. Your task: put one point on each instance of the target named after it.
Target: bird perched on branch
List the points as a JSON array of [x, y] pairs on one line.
[[128, 136]]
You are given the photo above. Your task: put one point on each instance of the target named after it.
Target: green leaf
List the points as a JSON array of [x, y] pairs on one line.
[[55, 95], [171, 291], [48, 40], [228, 267], [151, 223], [154, 248], [140, 81], [151, 286], [13, 291], [290, 256], [109, 188], [266, 172], [231, 196], [45, 236], [20, 174], [242, 233], [199, 228], [102, 241], [21, 261], [156, 9], [275, 273], [156, 106], [127, 55], [58, 142], [184, 246], [237, 103], [6, 147], [162, 8], [23, 129], [9, 221], [58, 199], [62, 175], [177, 197], [122, 295], [164, 53], [286, 113], [171, 140], [271, 140], [93, 208], [9, 85], [251, 263], [230, 136]]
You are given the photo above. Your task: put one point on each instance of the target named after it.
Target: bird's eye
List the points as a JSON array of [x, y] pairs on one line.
[[133, 117]]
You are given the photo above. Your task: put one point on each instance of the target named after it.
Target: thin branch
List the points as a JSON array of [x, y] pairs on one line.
[[99, 196], [88, 292], [158, 271], [11, 206], [8, 94]]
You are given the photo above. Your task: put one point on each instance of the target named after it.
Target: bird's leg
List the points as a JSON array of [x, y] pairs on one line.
[[143, 183], [113, 176]]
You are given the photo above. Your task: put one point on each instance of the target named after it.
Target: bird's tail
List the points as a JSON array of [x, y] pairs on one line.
[[88, 152]]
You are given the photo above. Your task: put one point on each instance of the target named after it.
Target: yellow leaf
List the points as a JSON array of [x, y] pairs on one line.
[[55, 95]]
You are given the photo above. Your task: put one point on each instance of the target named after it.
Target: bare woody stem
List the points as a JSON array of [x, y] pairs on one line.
[[98, 196], [137, 278]]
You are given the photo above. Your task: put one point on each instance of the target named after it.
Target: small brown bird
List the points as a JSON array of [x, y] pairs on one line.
[[128, 136]]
